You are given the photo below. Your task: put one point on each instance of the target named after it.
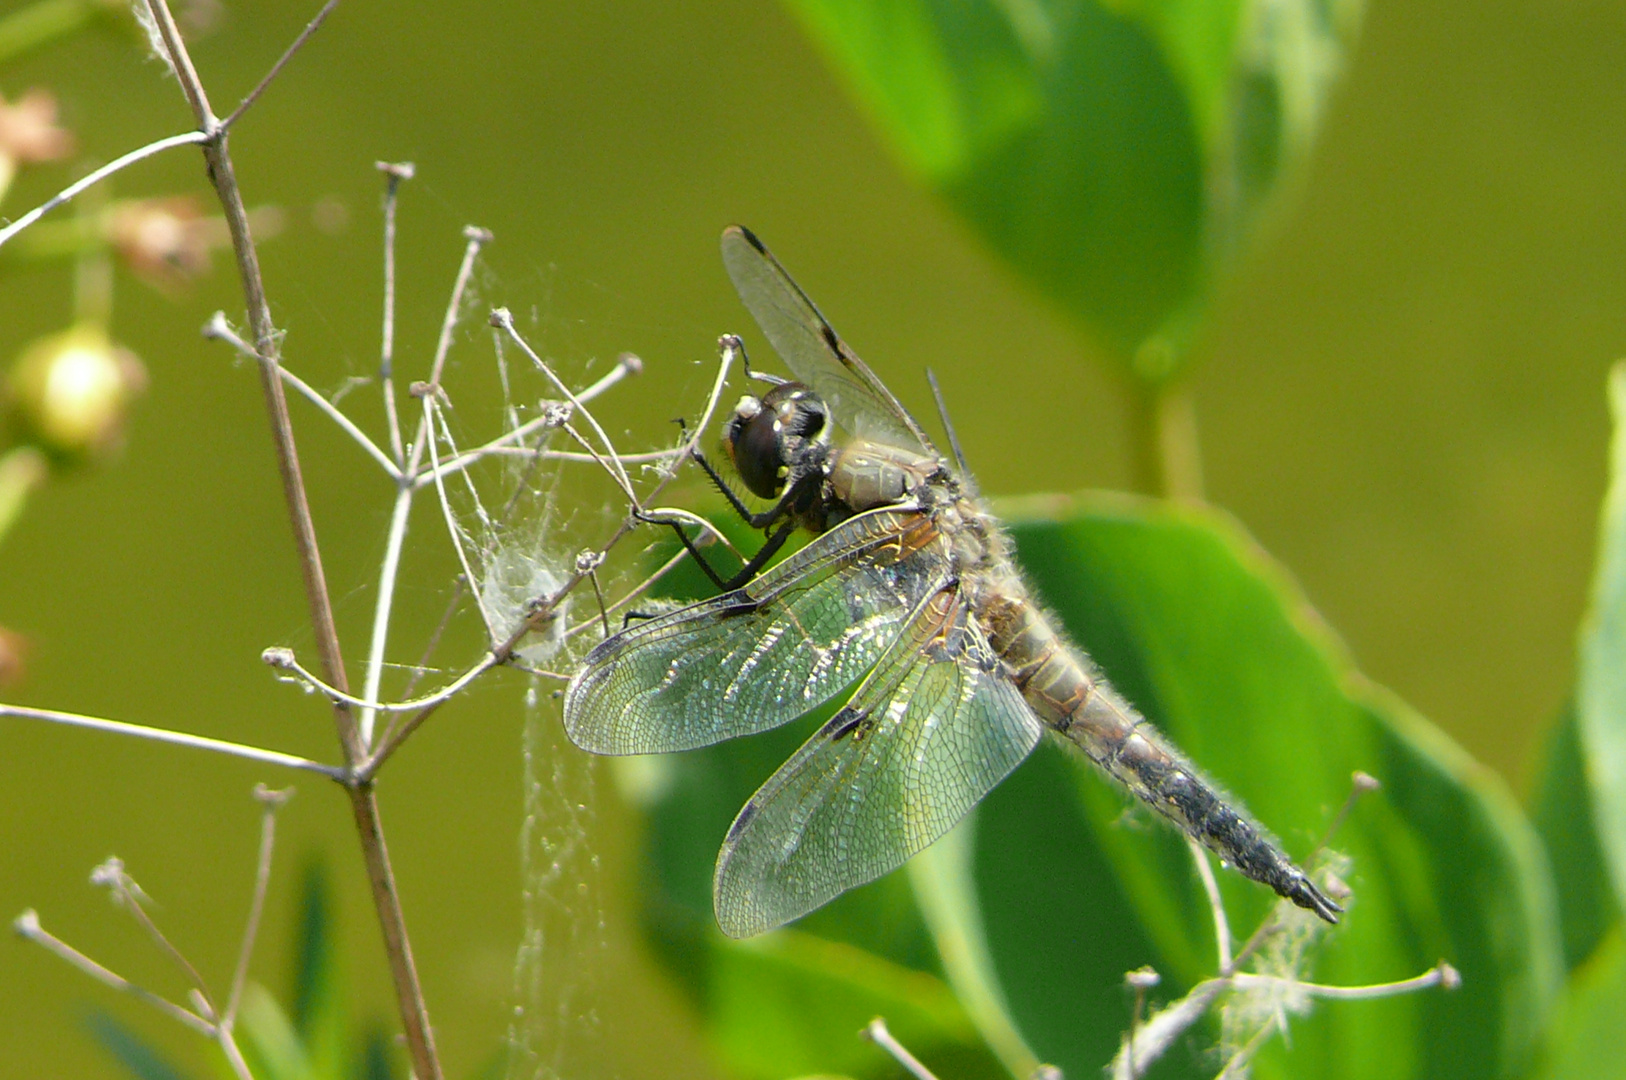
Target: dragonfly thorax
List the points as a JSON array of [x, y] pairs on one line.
[[864, 475]]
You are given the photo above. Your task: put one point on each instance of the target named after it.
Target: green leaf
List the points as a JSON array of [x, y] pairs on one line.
[[1194, 624], [321, 997], [1590, 1041], [1601, 694], [271, 1041], [1562, 811], [1117, 152], [792, 1004], [139, 1057]]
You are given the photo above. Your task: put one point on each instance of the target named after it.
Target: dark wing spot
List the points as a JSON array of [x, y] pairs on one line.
[[739, 602], [747, 813], [848, 722], [830, 338]]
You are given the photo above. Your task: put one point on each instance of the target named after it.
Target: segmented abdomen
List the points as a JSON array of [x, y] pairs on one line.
[[1074, 700]]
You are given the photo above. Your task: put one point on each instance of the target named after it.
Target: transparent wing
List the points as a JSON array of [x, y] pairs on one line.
[[810, 347], [929, 733], [762, 655]]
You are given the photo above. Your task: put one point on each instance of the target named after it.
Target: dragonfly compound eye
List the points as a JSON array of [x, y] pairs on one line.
[[754, 442]]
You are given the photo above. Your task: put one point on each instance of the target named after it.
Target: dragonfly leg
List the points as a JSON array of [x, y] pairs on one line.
[[770, 547], [756, 521], [775, 541], [759, 376]]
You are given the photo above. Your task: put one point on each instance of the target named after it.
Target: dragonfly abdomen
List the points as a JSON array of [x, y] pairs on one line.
[[1076, 702]]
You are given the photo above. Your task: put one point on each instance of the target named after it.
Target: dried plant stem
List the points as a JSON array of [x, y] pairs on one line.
[[284, 660], [877, 1033], [1222, 925], [174, 738], [729, 350], [140, 153], [401, 512], [27, 925], [282, 61], [218, 329], [270, 802], [396, 174], [409, 992]]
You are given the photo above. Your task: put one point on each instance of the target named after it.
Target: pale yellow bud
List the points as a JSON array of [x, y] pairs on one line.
[[69, 393]]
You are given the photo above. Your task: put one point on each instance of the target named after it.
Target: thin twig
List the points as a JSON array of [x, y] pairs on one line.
[[388, 571], [282, 62], [877, 1033], [270, 803], [27, 925], [504, 320], [1239, 1060], [589, 561], [1359, 784], [284, 660], [429, 409], [220, 330], [175, 738], [397, 173], [625, 364], [267, 348], [91, 179], [1222, 926], [1441, 975], [729, 348], [631, 595], [395, 540], [394, 737], [1140, 980], [128, 895], [474, 239]]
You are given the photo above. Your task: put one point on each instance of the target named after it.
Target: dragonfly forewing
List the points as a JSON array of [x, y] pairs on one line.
[[931, 731], [810, 347], [762, 655]]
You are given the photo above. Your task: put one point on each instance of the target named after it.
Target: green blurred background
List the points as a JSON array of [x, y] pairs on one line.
[[1401, 394]]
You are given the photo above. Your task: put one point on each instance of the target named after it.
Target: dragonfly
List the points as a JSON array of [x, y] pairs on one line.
[[910, 591]]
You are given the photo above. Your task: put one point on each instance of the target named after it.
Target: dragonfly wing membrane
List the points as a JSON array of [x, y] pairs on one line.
[[931, 731], [762, 655], [812, 350]]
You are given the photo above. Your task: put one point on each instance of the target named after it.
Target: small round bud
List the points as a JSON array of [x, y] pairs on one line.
[[69, 393]]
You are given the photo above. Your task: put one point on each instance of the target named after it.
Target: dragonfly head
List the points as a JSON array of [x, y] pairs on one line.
[[767, 437]]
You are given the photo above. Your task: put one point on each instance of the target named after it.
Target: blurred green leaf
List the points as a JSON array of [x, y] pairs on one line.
[[1562, 811], [271, 1041], [321, 1001], [139, 1057], [314, 1040], [1589, 1043], [43, 21], [1196, 626], [1117, 152], [791, 1003], [1601, 694]]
